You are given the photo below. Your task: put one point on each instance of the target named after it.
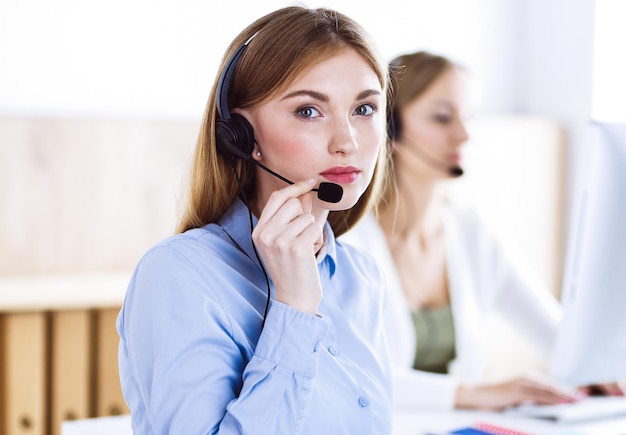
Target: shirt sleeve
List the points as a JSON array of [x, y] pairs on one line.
[[518, 293], [419, 390], [188, 364]]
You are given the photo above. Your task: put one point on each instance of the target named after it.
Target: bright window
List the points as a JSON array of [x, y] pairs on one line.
[[609, 65]]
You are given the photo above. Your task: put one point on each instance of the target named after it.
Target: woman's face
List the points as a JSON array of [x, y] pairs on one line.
[[328, 124], [433, 128]]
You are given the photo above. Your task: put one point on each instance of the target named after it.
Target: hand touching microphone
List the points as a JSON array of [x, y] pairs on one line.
[[288, 237]]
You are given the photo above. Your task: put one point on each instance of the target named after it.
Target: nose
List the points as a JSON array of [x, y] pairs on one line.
[[460, 133], [343, 137]]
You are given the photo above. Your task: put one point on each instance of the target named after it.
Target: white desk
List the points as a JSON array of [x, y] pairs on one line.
[[404, 424], [442, 421]]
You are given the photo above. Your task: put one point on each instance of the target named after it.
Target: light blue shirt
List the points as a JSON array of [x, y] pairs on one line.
[[193, 358]]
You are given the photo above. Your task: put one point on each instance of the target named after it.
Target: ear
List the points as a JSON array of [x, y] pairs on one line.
[[256, 152]]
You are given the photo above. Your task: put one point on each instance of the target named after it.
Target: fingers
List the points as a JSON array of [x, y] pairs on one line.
[[287, 235], [543, 390], [535, 388], [280, 197], [286, 223], [529, 388]]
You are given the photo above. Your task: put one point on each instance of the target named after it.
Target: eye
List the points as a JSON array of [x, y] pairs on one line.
[[442, 118], [308, 112], [365, 109]]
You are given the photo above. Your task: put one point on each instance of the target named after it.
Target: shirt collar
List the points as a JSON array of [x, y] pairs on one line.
[[236, 223]]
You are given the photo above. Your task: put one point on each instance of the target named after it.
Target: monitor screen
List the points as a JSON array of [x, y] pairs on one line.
[[591, 345]]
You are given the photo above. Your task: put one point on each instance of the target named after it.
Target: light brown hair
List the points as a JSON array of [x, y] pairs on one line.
[[411, 75]]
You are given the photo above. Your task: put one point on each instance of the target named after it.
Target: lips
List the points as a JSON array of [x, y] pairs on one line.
[[341, 174]]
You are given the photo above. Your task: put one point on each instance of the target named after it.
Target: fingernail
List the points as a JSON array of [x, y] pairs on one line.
[[310, 180]]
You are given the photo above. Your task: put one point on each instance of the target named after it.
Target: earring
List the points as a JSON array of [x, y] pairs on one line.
[[258, 153]]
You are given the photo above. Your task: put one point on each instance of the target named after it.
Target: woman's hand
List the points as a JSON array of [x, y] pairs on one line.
[[288, 237], [528, 388]]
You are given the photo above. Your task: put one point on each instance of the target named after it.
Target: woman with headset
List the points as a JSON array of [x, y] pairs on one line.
[[445, 269], [253, 319]]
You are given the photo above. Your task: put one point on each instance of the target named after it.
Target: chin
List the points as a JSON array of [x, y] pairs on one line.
[[348, 200]]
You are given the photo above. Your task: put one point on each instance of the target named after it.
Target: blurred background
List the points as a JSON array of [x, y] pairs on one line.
[[100, 105], [146, 61], [80, 195]]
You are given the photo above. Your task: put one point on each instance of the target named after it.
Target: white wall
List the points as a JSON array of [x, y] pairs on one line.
[[158, 58]]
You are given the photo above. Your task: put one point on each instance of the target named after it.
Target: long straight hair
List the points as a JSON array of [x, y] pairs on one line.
[[411, 75], [287, 42]]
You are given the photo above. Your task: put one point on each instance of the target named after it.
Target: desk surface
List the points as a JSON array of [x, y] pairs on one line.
[[442, 421], [61, 292], [406, 424]]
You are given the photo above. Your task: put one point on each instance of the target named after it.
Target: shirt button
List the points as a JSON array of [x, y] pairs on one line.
[[333, 350], [363, 402]]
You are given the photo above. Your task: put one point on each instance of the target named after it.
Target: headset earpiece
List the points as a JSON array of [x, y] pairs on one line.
[[234, 136], [393, 125]]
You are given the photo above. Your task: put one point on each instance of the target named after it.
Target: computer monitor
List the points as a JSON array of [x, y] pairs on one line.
[[591, 344]]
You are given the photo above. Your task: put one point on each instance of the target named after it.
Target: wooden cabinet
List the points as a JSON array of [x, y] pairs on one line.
[[71, 367], [25, 348], [58, 351], [109, 399]]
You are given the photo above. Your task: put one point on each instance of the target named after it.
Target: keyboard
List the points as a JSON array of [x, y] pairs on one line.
[[588, 409]]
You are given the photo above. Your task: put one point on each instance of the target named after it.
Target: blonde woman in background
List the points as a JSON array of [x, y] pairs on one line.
[[445, 269]]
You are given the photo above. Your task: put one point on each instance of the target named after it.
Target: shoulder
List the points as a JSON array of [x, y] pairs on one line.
[[194, 253], [481, 237], [467, 223], [193, 242]]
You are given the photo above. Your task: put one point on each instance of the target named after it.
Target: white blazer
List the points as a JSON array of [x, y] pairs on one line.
[[482, 278]]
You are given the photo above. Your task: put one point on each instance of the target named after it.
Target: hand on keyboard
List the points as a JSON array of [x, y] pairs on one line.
[[536, 388]]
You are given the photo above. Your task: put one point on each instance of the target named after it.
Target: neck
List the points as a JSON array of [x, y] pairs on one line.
[[415, 209]]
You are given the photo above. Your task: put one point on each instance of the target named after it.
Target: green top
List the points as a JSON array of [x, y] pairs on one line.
[[434, 330]]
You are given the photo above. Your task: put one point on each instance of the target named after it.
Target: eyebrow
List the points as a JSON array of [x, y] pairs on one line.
[[367, 93], [324, 98], [445, 103]]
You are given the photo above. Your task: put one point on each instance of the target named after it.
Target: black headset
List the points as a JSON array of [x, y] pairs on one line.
[[393, 124], [234, 136]]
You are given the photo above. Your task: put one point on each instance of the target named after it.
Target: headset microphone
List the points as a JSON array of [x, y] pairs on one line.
[[394, 129], [328, 192], [452, 170], [456, 171], [234, 135]]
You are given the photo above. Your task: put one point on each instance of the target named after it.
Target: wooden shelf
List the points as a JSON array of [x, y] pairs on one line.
[[63, 292]]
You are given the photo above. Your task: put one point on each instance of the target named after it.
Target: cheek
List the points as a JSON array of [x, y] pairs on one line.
[[282, 141], [371, 135], [428, 134], [294, 150], [371, 148]]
